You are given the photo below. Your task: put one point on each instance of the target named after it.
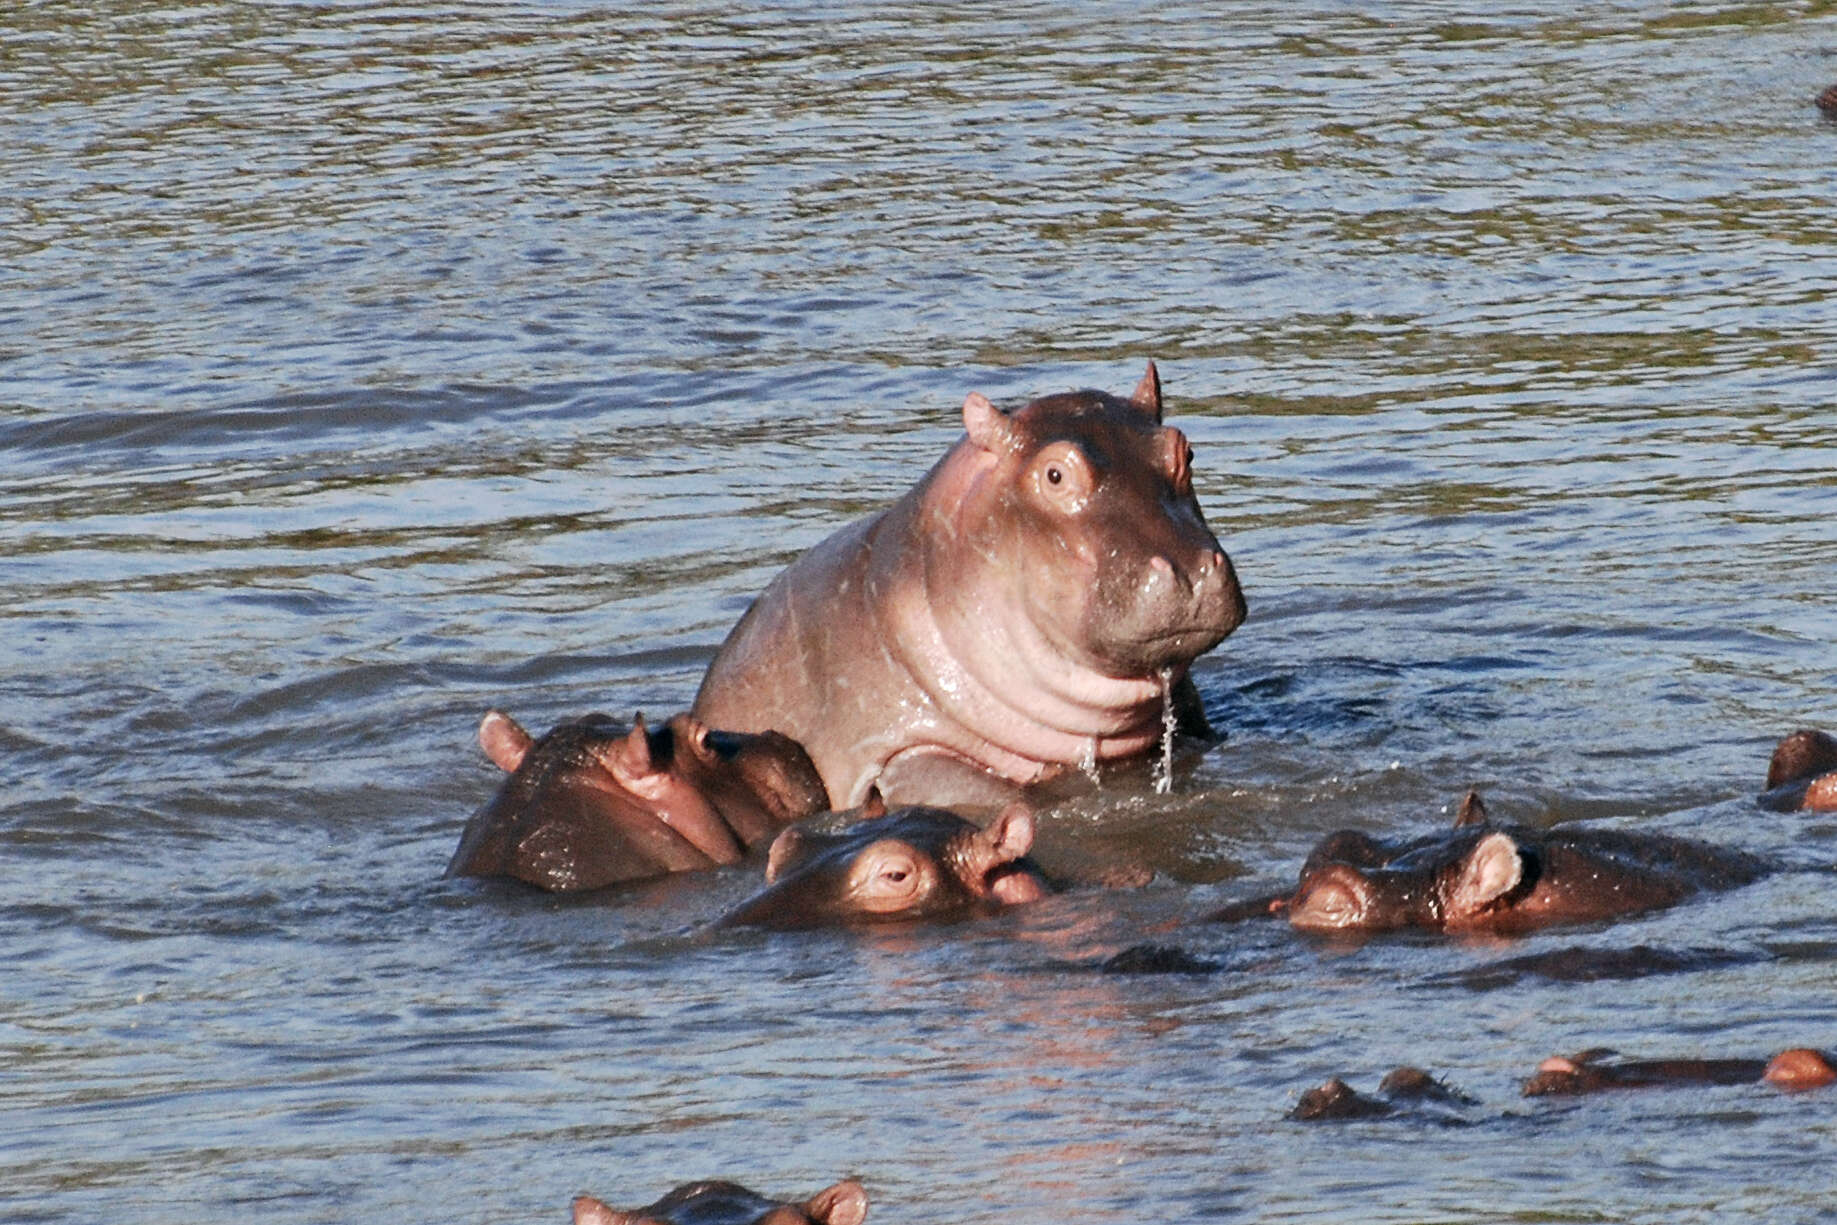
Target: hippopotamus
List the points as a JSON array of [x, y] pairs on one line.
[[1030, 607], [729, 1203], [597, 802], [1595, 1070], [1802, 773], [907, 863], [1403, 1090], [1482, 876]]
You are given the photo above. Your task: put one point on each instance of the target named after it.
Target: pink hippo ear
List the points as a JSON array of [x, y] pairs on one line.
[[1492, 869], [590, 1211], [875, 805], [1147, 393], [843, 1204], [504, 740], [988, 427], [1010, 836], [1473, 810], [785, 850]]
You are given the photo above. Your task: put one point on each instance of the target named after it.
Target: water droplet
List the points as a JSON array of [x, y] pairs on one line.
[[1164, 772]]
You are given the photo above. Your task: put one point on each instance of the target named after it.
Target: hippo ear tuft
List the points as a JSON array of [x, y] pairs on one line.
[[1011, 835], [504, 740], [1147, 393], [988, 427], [1473, 810], [1491, 870], [843, 1204]]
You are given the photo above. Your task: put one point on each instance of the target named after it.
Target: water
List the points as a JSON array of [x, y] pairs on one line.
[[364, 366]]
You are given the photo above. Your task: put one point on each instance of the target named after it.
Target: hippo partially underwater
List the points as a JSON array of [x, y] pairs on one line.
[[1802, 773], [1482, 876], [1027, 608], [910, 863], [597, 802], [729, 1203]]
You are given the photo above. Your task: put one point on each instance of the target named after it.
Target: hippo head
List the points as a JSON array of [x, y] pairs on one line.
[[911, 863], [728, 1203], [1459, 880], [710, 786], [1084, 509]]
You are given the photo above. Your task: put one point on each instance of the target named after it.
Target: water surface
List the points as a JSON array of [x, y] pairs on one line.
[[363, 366]]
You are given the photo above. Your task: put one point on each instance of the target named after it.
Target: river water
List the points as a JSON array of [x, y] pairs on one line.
[[364, 365]]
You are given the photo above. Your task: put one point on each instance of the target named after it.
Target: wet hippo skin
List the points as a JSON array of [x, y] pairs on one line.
[[910, 863], [1027, 608], [1482, 876], [597, 802], [1595, 1070], [1404, 1090], [729, 1203], [1802, 773]]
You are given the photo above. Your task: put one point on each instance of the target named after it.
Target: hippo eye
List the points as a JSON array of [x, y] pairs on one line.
[[1054, 476], [896, 875]]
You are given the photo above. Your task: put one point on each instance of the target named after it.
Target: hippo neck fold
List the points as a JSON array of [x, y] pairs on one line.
[[975, 663]]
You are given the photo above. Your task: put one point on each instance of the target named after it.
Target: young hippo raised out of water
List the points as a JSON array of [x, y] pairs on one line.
[[1029, 607], [1803, 773], [1480, 876], [910, 863], [729, 1203], [597, 802], [1595, 1070]]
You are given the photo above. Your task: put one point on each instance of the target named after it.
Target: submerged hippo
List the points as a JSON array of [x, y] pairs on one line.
[[729, 1203], [1404, 1090], [910, 863], [1595, 1070], [1803, 773], [1022, 611], [1480, 876], [596, 802]]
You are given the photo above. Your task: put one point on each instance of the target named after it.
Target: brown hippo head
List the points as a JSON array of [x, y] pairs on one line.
[[729, 1203], [1084, 509]]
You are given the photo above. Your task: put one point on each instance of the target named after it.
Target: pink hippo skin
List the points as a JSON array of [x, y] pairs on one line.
[[1014, 615], [597, 802]]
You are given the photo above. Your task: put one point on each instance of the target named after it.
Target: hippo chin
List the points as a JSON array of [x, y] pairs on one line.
[[597, 802], [1480, 876], [910, 863], [729, 1203], [1803, 773], [1025, 609]]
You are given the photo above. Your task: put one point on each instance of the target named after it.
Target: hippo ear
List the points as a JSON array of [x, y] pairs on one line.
[[874, 805], [590, 1211], [634, 752], [1473, 810], [843, 1204], [504, 740], [1147, 393], [988, 427], [1491, 870], [1011, 834], [785, 850]]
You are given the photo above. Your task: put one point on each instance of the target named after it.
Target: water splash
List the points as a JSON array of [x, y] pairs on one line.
[[1088, 762], [1164, 771]]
